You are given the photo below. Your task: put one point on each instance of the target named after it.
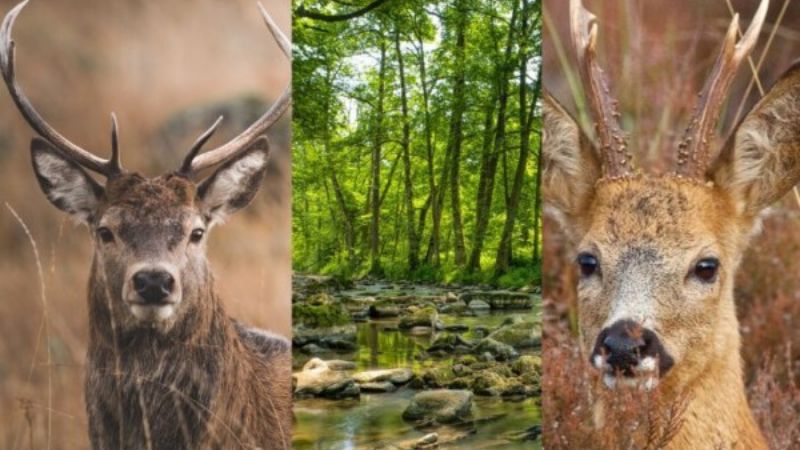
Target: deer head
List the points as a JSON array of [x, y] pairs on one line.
[[149, 233], [657, 254]]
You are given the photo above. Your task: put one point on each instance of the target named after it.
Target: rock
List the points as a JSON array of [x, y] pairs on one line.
[[454, 308], [383, 310], [527, 364], [424, 317], [448, 343], [306, 285], [317, 379], [442, 406], [338, 343], [506, 300], [320, 315], [479, 305], [438, 377], [520, 335], [499, 350], [486, 357], [380, 387], [303, 335], [395, 376], [338, 364], [312, 349], [426, 441], [420, 331]]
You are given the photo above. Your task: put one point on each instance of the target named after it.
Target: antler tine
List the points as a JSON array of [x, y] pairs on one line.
[[260, 126], [114, 164], [616, 160], [186, 167], [694, 155], [29, 113]]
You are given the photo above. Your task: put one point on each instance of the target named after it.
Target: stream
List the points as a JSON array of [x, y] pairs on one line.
[[374, 420]]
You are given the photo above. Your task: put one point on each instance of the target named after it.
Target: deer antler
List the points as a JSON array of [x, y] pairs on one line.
[[615, 158], [194, 163], [693, 150], [108, 167]]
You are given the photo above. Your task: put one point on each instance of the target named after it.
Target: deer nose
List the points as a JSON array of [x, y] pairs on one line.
[[626, 343], [153, 285]]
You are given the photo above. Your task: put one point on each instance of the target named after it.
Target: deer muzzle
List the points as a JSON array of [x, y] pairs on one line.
[[629, 354]]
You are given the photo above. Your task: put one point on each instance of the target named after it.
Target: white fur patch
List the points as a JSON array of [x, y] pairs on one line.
[[231, 181], [69, 188]]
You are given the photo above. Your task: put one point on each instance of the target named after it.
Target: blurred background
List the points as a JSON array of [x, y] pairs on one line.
[[657, 54], [167, 69]]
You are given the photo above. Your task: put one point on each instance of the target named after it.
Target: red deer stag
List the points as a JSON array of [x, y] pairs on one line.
[[166, 367], [657, 254]]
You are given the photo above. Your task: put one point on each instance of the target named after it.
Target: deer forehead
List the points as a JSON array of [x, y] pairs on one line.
[[669, 215]]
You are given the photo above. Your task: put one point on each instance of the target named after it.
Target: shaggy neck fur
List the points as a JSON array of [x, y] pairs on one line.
[[202, 384]]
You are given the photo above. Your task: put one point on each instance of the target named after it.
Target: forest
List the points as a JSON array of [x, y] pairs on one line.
[[416, 140]]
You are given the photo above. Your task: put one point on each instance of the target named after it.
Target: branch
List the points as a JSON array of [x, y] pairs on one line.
[[303, 12]]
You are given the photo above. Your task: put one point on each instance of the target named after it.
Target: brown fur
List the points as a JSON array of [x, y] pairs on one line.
[[648, 232], [196, 379]]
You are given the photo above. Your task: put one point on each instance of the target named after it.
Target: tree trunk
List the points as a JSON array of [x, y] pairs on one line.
[[457, 135], [375, 167], [489, 159], [503, 260], [413, 240]]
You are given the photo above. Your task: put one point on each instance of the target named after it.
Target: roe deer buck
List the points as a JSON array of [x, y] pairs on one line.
[[166, 367], [657, 254]]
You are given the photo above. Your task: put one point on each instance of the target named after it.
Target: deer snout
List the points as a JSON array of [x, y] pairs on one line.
[[153, 286], [629, 349]]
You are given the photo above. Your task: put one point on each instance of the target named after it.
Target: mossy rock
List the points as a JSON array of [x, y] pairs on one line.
[[438, 377], [423, 317], [320, 316], [520, 335], [527, 364]]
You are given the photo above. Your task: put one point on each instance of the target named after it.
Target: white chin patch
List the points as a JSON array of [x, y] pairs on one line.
[[153, 313], [646, 375], [646, 382]]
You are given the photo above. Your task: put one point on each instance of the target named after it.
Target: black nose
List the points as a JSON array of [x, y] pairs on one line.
[[153, 285], [626, 343]]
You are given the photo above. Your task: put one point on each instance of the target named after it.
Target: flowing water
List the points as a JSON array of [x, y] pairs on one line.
[[374, 420]]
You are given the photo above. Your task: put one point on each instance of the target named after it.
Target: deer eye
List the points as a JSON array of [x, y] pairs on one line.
[[588, 264], [197, 235], [105, 234], [706, 269]]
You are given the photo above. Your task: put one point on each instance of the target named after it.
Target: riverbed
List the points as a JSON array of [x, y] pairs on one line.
[[374, 420]]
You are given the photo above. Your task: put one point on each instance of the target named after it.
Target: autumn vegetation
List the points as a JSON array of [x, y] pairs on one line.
[[657, 54]]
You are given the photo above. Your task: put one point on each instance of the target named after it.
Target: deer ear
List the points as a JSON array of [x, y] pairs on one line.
[[234, 185], [64, 182], [764, 162], [570, 166]]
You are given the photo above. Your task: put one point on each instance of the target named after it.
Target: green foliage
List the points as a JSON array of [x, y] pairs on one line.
[[349, 136]]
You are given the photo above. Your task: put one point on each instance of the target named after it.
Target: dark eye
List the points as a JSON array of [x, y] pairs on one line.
[[588, 264], [197, 235], [706, 269], [105, 234]]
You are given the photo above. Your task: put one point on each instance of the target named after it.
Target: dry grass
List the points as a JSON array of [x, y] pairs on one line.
[[660, 51], [146, 61]]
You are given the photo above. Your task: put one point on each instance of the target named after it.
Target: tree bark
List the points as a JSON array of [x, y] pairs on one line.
[[413, 240], [490, 157], [457, 135], [503, 260], [375, 185]]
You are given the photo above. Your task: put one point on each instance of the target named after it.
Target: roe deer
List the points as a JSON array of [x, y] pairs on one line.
[[657, 254], [166, 367]]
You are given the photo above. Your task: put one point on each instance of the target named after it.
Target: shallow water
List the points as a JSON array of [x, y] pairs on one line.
[[375, 419]]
